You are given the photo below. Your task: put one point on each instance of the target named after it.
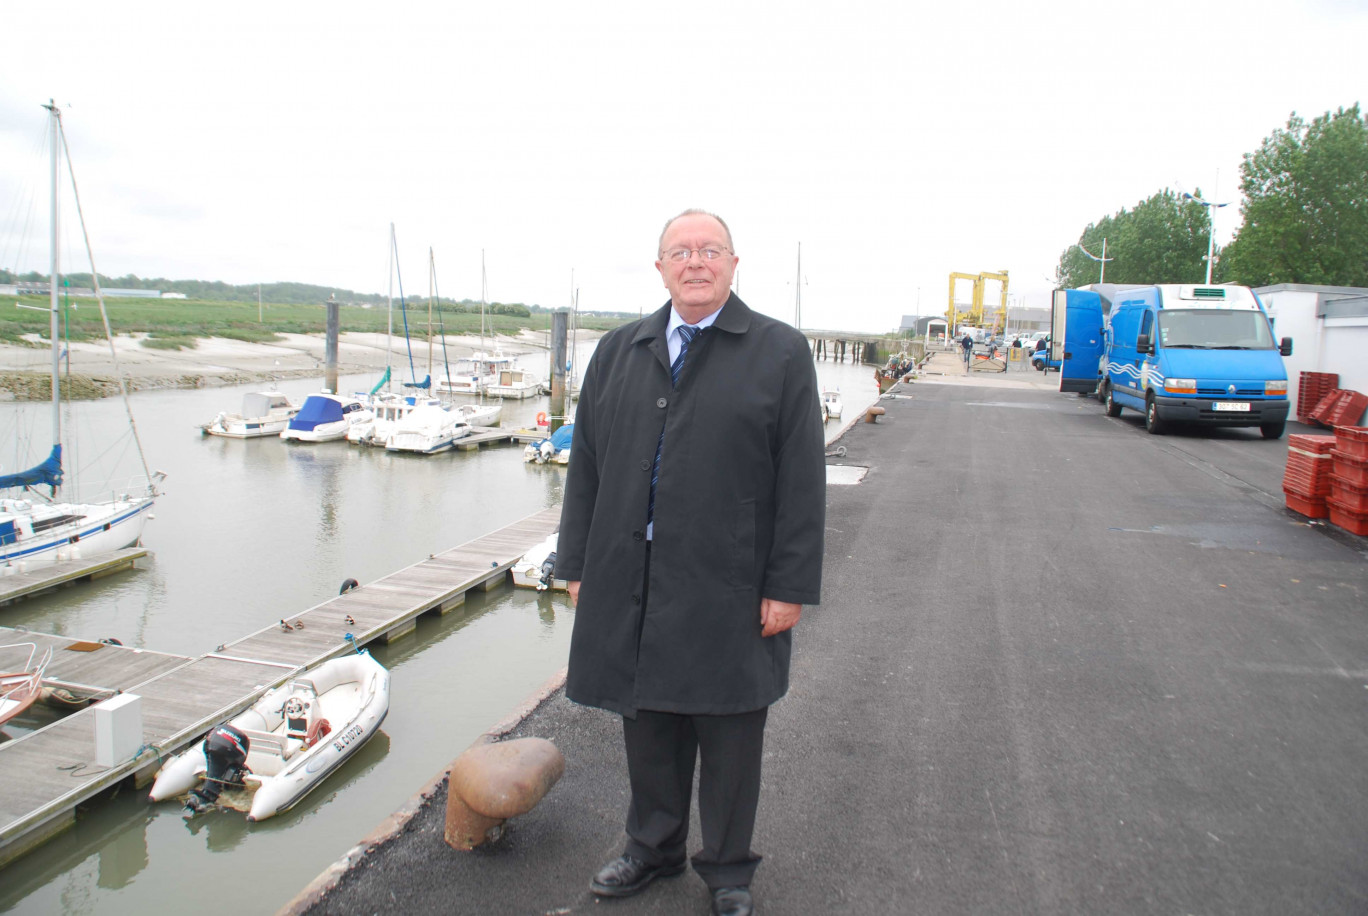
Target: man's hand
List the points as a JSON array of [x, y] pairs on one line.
[[777, 616], [573, 589]]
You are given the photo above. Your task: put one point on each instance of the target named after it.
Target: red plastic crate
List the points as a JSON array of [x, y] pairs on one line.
[[1351, 496], [1311, 507], [1313, 444], [1349, 469], [1341, 407], [1351, 440], [1346, 518]]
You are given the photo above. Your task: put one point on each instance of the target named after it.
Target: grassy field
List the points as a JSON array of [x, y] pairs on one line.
[[175, 323]]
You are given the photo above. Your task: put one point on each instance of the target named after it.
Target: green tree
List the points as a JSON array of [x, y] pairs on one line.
[[1162, 240], [1305, 205]]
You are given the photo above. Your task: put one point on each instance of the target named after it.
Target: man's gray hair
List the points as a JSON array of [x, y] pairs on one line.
[[694, 211]]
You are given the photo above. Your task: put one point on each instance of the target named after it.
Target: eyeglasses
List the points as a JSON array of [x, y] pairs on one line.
[[680, 255]]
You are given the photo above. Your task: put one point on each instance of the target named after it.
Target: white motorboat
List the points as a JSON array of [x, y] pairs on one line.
[[480, 414], [831, 400], [264, 413], [290, 739], [36, 530], [427, 429], [325, 417], [20, 686], [513, 382], [537, 568], [387, 410]]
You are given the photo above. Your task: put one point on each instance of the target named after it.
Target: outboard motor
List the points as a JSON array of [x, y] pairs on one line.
[[548, 572], [225, 753]]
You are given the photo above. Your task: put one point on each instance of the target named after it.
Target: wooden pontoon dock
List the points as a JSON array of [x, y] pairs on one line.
[[46, 774], [24, 584]]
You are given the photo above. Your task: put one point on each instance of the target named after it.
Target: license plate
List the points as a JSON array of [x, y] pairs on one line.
[[1231, 405]]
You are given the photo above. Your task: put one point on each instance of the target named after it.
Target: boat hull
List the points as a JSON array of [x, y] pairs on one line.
[[247, 429], [100, 529], [307, 766]]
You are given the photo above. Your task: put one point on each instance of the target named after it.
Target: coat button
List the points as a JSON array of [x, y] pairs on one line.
[[638, 535], [636, 599], [661, 402], [645, 465]]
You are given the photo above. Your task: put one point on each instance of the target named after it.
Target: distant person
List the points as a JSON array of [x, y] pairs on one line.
[[1041, 346], [1016, 344], [967, 348]]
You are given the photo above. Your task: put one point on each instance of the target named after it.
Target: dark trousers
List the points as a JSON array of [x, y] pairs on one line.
[[661, 750]]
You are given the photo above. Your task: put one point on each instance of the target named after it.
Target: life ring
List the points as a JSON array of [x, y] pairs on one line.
[[318, 731], [541, 418]]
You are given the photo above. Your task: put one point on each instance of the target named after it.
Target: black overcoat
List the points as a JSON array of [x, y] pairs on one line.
[[739, 513]]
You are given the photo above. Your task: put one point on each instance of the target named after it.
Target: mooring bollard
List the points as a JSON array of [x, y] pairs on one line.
[[872, 414], [490, 783]]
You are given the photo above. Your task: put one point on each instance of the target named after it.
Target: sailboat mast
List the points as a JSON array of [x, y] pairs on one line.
[[55, 118], [798, 295], [389, 334], [482, 298], [432, 276]]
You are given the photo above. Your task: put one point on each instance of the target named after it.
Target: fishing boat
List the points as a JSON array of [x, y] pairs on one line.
[[36, 529], [289, 741], [19, 688], [831, 400], [325, 417], [427, 429], [264, 413]]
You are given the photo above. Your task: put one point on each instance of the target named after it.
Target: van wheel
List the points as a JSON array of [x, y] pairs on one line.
[[1273, 430], [1113, 408], [1153, 425]]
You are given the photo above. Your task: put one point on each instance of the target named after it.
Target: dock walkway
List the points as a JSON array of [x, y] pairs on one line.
[[46, 774], [25, 584]]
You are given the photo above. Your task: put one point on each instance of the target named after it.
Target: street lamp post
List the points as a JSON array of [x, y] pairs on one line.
[[1211, 227]]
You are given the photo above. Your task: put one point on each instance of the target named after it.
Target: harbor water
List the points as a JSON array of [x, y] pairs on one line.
[[250, 532]]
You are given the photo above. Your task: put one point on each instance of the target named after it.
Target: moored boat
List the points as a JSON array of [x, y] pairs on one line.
[[263, 413], [480, 414], [20, 687], [37, 530], [325, 417], [277, 751], [831, 400], [427, 429]]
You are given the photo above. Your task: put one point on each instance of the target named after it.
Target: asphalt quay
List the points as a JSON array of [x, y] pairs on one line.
[[1060, 666]]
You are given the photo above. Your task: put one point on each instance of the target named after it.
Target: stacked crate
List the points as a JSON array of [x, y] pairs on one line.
[[1348, 501], [1306, 482], [1340, 407], [1312, 387]]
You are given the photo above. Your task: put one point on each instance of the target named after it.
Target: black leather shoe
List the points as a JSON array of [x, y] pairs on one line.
[[732, 901], [627, 875]]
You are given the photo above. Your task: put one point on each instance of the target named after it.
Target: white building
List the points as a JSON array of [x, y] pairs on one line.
[[1329, 330]]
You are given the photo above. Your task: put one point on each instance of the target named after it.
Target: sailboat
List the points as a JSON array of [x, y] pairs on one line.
[[37, 530]]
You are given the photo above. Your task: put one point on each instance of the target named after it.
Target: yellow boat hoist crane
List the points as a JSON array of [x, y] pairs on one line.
[[974, 316]]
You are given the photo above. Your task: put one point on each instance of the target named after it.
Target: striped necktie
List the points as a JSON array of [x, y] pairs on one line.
[[687, 332]]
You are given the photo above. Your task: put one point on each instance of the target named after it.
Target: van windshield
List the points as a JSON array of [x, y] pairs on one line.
[[1214, 329]]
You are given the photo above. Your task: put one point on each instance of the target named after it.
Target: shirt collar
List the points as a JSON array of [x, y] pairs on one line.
[[677, 322]]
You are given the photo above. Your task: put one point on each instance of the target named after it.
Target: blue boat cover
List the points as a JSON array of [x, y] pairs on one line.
[[49, 472], [8, 534], [562, 437], [424, 384], [316, 411]]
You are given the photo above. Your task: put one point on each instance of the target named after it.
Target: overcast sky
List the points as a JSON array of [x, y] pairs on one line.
[[262, 142]]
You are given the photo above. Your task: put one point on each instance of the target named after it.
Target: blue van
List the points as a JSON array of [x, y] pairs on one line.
[[1197, 354]]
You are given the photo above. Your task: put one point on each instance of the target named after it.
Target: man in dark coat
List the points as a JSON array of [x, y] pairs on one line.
[[691, 536]]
